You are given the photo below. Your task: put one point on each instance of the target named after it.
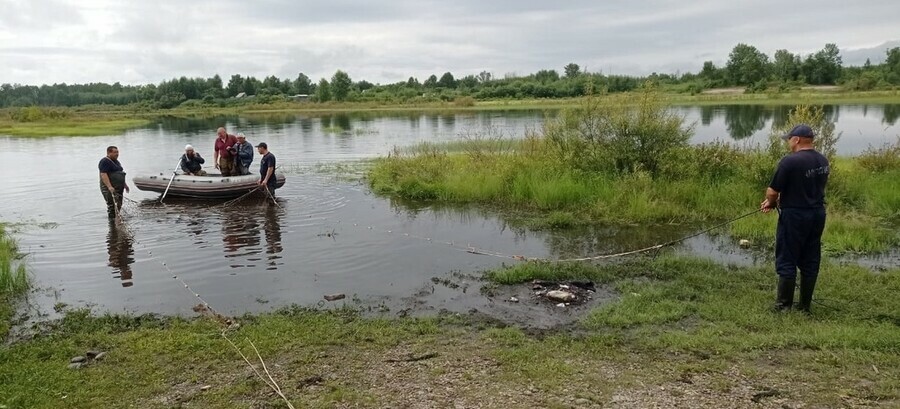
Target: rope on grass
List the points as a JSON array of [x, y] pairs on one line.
[[205, 307]]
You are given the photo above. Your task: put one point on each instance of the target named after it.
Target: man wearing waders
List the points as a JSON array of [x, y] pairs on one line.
[[798, 191], [112, 181]]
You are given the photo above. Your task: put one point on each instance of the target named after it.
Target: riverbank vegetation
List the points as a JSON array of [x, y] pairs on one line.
[[613, 162], [747, 69], [90, 120], [39, 122], [680, 332], [13, 278]]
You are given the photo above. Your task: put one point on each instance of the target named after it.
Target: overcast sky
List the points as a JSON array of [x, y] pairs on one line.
[[138, 41]]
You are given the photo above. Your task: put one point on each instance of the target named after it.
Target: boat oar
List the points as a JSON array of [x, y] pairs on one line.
[[174, 172]]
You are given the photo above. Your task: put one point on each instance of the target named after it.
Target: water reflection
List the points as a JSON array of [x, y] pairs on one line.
[[244, 228], [743, 121], [120, 246], [891, 113], [748, 122], [272, 229], [558, 243]]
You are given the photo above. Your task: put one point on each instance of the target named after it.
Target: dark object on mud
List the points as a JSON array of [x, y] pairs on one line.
[[413, 358], [312, 380], [335, 297], [768, 393], [563, 292]]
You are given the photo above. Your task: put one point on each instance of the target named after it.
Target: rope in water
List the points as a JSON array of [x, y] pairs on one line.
[[475, 250]]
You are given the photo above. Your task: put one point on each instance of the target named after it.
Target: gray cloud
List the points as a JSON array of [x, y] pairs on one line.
[[386, 41]]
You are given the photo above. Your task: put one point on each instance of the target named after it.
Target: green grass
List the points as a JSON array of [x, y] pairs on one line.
[[674, 319], [684, 304], [70, 127], [13, 278], [863, 206]]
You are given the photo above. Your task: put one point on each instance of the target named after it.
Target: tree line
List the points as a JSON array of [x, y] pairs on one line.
[[746, 67]]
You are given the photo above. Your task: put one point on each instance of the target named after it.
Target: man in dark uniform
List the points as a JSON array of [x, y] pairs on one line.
[[798, 191], [112, 181], [266, 168]]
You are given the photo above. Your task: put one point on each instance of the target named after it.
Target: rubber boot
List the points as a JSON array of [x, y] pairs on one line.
[[785, 296], [807, 286]]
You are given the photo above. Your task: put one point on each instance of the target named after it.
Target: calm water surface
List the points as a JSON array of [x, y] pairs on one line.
[[254, 255]]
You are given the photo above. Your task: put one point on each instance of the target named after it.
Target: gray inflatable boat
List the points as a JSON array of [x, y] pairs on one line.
[[212, 186]]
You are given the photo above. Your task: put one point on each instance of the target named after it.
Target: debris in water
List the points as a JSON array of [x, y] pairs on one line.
[[335, 297]]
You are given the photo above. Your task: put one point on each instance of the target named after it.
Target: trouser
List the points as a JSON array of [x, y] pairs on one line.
[[270, 187], [798, 242], [113, 199], [226, 166]]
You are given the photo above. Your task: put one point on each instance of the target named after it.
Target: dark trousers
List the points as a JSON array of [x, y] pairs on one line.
[[113, 203], [798, 242]]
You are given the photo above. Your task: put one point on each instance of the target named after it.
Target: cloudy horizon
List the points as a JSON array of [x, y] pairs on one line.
[[56, 41]]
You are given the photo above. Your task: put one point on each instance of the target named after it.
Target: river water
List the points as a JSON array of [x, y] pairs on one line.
[[326, 235]]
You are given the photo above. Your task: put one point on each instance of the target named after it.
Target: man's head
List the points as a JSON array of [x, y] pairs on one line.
[[188, 149], [221, 132], [262, 148], [241, 138], [112, 152], [800, 136]]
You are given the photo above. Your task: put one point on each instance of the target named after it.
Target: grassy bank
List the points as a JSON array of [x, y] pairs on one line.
[[684, 332], [13, 278], [618, 166], [93, 120], [70, 127]]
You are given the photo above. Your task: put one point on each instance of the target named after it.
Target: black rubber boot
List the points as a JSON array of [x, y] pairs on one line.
[[785, 296], [807, 286]]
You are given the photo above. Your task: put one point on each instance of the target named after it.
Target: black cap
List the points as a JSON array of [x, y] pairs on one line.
[[262, 145], [803, 131]]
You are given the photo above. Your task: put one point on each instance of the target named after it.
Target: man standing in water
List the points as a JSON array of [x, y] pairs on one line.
[[223, 156], [112, 181], [266, 168], [798, 191]]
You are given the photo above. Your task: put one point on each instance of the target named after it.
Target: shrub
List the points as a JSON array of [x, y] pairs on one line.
[[617, 134], [881, 159], [465, 101]]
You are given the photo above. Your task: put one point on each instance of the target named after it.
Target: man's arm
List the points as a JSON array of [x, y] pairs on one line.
[[268, 175], [104, 177], [184, 165], [770, 201], [199, 158]]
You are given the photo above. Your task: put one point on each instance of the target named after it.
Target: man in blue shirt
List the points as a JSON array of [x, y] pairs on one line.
[[112, 181], [244, 152], [798, 191], [266, 168]]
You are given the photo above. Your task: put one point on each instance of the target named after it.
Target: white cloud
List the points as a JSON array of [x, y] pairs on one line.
[[47, 41]]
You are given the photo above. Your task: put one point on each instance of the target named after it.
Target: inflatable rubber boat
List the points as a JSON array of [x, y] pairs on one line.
[[212, 186]]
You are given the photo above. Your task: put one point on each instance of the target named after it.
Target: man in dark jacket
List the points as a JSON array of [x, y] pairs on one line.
[[798, 191], [244, 152], [192, 163], [112, 181]]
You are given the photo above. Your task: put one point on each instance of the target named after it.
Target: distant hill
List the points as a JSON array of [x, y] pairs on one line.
[[875, 54]]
